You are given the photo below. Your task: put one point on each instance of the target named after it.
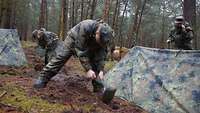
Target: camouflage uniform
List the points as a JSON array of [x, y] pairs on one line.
[[80, 41], [48, 41], [181, 36]]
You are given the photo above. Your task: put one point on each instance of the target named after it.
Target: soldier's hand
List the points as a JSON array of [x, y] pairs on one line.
[[101, 75], [168, 41], [183, 26], [91, 74]]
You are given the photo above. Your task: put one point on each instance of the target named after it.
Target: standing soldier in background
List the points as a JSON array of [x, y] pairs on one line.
[[48, 41], [181, 35], [88, 40]]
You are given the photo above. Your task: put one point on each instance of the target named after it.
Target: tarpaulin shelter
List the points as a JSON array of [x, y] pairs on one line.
[[11, 52], [159, 80]]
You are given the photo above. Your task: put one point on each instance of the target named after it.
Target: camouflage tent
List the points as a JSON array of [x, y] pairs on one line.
[[11, 52], [159, 80]]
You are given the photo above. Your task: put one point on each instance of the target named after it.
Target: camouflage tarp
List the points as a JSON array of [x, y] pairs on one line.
[[159, 80], [11, 52]]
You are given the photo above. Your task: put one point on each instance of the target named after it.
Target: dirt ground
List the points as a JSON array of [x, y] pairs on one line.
[[67, 92]]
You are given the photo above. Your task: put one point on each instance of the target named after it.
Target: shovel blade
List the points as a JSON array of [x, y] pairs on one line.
[[108, 95]]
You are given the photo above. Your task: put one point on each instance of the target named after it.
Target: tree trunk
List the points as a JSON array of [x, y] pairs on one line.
[[121, 41], [43, 14], [53, 8], [87, 9], [135, 23], [106, 10], [66, 24], [116, 27], [140, 20], [73, 6], [63, 19], [115, 14], [1, 8], [132, 29], [189, 12], [162, 41], [13, 19], [114, 21], [76, 8], [93, 7], [82, 9], [7, 14]]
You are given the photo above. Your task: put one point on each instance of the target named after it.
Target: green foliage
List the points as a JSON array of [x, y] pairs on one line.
[[28, 44], [109, 65], [18, 97]]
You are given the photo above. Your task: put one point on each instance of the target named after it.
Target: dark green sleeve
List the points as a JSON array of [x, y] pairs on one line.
[[100, 65], [99, 59], [84, 59], [190, 35], [85, 63]]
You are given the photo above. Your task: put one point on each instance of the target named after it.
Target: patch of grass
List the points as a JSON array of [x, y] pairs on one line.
[[28, 44], [12, 71], [6, 75], [109, 65], [88, 107], [16, 96]]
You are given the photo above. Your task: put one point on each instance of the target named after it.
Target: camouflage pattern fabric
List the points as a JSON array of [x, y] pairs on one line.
[[11, 52], [159, 80], [52, 52]]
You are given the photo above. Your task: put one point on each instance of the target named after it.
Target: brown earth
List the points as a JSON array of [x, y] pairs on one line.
[[68, 88]]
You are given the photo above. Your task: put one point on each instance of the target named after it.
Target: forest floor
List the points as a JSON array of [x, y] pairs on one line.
[[67, 92]]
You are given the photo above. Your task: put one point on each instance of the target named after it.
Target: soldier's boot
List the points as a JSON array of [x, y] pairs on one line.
[[108, 95], [97, 86], [41, 82]]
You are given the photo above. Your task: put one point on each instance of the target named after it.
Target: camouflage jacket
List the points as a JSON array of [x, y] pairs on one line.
[[91, 54], [182, 38], [48, 40]]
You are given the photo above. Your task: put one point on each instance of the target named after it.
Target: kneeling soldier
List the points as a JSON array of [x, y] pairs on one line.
[[88, 40]]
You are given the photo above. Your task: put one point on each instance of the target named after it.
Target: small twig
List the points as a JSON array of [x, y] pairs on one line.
[[2, 94]]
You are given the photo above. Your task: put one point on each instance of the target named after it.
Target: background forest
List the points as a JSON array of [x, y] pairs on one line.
[[136, 22]]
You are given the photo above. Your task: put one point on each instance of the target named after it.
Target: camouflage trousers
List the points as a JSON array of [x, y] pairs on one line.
[[50, 52]]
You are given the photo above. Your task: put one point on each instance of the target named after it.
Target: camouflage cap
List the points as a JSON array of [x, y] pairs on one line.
[[106, 33], [42, 29], [179, 19]]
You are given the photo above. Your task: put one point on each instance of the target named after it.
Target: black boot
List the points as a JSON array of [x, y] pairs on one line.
[[108, 95], [41, 82]]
